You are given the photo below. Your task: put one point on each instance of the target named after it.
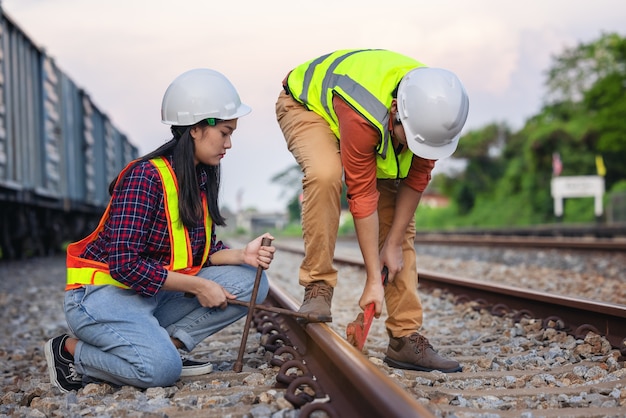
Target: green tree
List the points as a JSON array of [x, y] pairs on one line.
[[481, 150], [586, 88], [508, 175]]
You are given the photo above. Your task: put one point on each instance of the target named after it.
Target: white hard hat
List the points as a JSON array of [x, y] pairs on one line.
[[433, 107], [201, 94]]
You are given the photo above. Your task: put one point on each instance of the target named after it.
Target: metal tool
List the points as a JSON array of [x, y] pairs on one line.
[[251, 305], [308, 317], [356, 331]]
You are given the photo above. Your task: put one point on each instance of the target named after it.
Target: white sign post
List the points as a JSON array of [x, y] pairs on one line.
[[577, 186]]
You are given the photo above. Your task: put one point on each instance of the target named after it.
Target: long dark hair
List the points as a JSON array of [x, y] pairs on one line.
[[182, 148]]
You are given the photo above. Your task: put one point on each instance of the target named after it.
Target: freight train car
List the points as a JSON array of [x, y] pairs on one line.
[[58, 151]]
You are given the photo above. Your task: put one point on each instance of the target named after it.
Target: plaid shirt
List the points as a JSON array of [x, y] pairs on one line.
[[135, 241]]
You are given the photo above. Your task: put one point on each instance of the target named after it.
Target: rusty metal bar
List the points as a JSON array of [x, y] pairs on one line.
[[255, 290], [309, 317]]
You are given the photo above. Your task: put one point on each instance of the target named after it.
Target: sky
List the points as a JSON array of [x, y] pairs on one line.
[[124, 54]]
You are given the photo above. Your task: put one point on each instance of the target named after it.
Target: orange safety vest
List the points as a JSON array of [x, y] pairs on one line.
[[81, 271]]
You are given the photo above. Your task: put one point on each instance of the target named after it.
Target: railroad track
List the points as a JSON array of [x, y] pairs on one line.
[[566, 243], [590, 238], [590, 231], [330, 375], [569, 388], [573, 315], [512, 365]]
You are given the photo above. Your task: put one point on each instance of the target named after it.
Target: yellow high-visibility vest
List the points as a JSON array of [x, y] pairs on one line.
[[81, 271], [365, 79]]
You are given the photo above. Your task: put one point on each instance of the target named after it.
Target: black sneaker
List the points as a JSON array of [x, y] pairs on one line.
[[61, 365], [195, 368]]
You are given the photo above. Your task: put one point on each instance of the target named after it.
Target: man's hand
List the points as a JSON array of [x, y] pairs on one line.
[[391, 258], [374, 292]]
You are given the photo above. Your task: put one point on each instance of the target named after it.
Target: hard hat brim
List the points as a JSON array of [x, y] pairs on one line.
[[433, 153], [243, 110]]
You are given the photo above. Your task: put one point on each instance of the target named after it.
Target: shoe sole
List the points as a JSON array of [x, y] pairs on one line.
[[52, 371], [197, 370], [410, 366]]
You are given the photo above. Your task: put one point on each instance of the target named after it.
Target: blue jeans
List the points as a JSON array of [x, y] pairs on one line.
[[125, 337]]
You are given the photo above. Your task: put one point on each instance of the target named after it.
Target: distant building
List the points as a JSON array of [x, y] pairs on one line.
[[231, 220], [258, 222]]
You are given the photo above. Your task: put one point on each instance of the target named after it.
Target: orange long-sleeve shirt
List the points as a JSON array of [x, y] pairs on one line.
[[358, 156]]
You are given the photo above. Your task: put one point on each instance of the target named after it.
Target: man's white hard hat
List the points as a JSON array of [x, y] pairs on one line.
[[433, 108]]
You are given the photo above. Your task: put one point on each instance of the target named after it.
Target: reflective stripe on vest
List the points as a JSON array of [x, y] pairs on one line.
[[81, 271], [365, 80]]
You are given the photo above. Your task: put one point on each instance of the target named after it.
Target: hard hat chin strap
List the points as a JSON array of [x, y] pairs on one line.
[[178, 131]]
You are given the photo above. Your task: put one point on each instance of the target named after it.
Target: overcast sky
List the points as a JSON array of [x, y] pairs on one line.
[[125, 53]]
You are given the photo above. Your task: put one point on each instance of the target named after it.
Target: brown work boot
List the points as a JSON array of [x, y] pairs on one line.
[[414, 352], [317, 300]]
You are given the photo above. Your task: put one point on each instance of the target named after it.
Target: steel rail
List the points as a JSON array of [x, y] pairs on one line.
[[578, 315], [523, 242], [613, 230], [354, 385]]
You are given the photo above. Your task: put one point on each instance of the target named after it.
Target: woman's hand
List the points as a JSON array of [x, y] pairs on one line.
[[255, 254], [213, 295], [209, 293]]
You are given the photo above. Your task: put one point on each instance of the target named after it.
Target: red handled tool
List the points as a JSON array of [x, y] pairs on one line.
[[356, 331]]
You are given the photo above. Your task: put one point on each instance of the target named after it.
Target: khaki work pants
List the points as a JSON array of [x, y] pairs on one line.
[[316, 149]]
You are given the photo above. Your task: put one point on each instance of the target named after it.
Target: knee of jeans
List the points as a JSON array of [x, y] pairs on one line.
[[162, 369]]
